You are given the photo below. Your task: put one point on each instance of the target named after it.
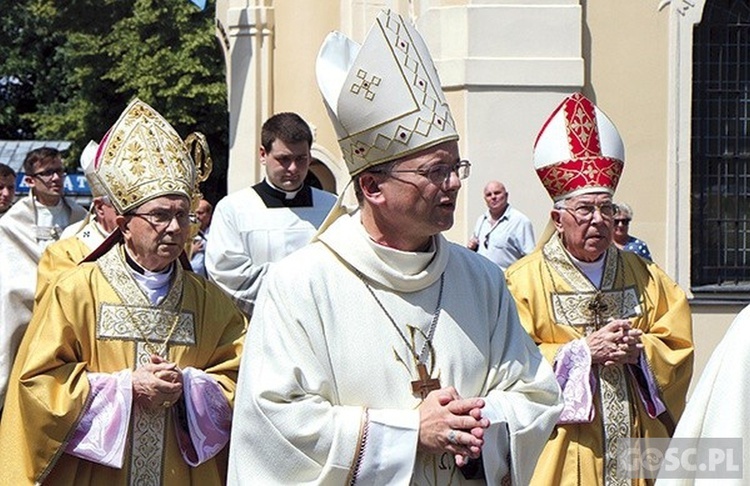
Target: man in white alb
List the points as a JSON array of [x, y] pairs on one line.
[[503, 234], [26, 230], [81, 238], [259, 225], [368, 361]]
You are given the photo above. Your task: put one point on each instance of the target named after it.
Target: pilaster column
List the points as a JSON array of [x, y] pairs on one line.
[[246, 31]]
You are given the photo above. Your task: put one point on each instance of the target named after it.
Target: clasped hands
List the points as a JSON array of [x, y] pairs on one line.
[[449, 423], [616, 343], [157, 384]]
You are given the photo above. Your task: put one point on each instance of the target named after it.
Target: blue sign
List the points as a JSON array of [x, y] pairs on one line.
[[75, 185]]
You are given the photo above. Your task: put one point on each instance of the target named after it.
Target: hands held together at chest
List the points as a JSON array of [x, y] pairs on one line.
[[616, 343], [157, 384], [449, 423]]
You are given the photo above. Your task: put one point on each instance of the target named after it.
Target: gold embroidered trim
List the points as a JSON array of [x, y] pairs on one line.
[[575, 308], [115, 323], [148, 432]]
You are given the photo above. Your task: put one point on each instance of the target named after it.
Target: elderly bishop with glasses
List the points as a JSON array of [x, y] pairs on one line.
[[381, 353], [615, 327], [127, 372]]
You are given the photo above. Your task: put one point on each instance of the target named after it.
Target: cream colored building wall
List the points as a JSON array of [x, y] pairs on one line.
[[709, 325], [627, 77]]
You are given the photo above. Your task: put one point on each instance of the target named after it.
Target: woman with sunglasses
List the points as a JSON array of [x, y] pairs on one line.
[[622, 239]]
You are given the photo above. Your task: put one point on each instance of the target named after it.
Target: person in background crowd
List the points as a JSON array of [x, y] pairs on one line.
[[616, 330], [79, 239], [503, 234], [7, 188], [127, 372], [203, 212], [25, 231], [622, 239], [259, 225], [367, 361]]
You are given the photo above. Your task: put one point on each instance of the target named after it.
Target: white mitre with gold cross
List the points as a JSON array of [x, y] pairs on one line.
[[141, 158], [384, 97]]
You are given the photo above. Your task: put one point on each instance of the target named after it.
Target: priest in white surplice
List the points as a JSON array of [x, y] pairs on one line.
[[259, 225], [26, 230], [382, 353]]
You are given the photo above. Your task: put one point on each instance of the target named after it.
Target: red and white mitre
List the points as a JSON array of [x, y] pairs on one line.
[[578, 150]]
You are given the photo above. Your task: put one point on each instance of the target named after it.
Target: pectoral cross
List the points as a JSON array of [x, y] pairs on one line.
[[598, 307], [424, 385]]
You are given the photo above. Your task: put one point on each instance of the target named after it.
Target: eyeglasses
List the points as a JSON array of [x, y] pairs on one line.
[[623, 221], [440, 173], [161, 219], [586, 212], [49, 173]]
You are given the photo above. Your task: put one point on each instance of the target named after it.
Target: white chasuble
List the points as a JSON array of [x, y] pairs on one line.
[[325, 394]]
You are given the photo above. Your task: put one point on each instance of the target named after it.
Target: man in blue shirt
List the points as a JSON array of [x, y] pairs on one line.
[[503, 234]]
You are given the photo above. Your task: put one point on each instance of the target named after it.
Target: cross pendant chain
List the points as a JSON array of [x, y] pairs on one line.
[[424, 385]]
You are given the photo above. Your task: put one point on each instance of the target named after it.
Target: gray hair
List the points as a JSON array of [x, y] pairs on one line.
[[624, 208]]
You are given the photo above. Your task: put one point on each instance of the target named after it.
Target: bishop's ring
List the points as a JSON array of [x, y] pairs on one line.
[[452, 437]]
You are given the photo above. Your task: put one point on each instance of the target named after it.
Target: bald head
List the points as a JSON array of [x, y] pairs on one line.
[[496, 198]]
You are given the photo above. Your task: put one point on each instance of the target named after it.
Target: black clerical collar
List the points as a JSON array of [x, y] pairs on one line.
[[273, 198], [135, 266]]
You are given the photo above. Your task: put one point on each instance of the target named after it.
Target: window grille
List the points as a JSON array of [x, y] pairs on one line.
[[720, 249]]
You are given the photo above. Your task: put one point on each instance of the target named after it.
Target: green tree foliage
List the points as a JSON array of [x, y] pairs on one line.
[[71, 67]]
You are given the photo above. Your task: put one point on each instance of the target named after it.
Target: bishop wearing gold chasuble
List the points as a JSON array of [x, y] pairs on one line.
[[615, 327], [126, 374]]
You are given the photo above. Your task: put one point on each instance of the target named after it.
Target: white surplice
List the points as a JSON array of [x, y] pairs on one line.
[[325, 385], [247, 237], [23, 238]]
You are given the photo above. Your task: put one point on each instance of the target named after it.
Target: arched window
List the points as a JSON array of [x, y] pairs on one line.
[[720, 149]]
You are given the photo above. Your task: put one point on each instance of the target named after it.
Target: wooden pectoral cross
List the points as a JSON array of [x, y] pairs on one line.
[[424, 385]]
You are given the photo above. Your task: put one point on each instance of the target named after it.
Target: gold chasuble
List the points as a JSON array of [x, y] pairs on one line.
[[557, 304], [96, 319], [58, 257]]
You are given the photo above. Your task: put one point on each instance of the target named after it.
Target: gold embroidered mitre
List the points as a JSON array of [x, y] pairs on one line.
[[383, 97], [142, 157]]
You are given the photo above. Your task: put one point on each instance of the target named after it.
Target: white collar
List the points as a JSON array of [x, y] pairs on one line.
[[287, 194], [403, 271], [593, 270]]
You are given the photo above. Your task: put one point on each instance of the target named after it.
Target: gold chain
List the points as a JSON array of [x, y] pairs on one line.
[[147, 342], [619, 272]]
